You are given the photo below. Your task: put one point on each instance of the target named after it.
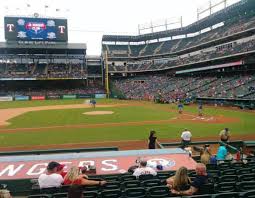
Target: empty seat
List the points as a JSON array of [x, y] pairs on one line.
[[111, 186], [90, 194], [247, 177], [237, 165], [131, 184], [163, 175], [91, 188], [206, 189], [246, 186], [151, 183], [111, 177], [135, 192], [249, 194], [127, 178], [228, 172], [225, 187], [228, 178], [198, 196], [211, 167], [225, 165], [39, 196], [146, 177], [60, 195], [244, 171], [49, 190], [111, 194], [227, 195], [158, 192]]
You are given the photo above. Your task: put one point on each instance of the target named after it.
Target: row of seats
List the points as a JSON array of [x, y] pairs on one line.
[[154, 192]]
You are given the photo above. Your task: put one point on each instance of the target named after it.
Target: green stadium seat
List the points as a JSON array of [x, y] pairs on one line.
[[225, 187], [91, 194], [146, 177], [249, 194], [158, 192], [111, 194], [127, 178], [206, 189], [244, 171], [223, 166], [237, 165], [151, 183], [111, 186], [135, 192], [227, 195], [228, 178], [247, 177], [228, 172], [198, 196], [211, 167], [60, 195], [131, 184], [39, 196], [246, 186]]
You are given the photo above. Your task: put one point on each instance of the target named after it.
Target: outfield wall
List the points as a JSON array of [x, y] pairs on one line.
[[50, 97]]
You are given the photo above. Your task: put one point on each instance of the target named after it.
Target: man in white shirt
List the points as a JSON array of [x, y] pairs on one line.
[[50, 178], [186, 138], [144, 170]]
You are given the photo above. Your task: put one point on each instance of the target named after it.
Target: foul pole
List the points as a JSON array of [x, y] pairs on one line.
[[107, 76]]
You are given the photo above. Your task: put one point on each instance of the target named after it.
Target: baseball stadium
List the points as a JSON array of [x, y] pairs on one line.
[[162, 113]]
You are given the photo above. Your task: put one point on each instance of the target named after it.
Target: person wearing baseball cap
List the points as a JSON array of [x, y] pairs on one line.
[[51, 178]]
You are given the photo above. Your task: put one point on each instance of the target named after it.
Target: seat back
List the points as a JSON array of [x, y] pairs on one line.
[[228, 172], [111, 186], [111, 194], [247, 177], [151, 183], [131, 184], [158, 192], [225, 187], [135, 192], [246, 186], [249, 194], [206, 189], [90, 194], [39, 196], [60, 195], [228, 178], [146, 177], [227, 195]]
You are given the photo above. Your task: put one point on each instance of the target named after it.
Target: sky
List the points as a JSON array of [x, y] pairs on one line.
[[88, 20]]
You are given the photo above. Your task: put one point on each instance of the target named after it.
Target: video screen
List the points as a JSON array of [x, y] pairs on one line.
[[35, 29]]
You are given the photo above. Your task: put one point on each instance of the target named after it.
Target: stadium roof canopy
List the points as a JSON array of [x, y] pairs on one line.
[[236, 9], [59, 48]]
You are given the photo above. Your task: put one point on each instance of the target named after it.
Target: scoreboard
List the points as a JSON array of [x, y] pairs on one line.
[[35, 29]]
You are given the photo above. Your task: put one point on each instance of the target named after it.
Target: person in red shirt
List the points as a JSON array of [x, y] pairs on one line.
[[74, 177]]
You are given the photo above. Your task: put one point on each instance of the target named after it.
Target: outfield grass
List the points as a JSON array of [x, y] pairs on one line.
[[145, 112]]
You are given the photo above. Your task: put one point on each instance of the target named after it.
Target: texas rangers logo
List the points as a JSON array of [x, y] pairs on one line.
[[36, 27]]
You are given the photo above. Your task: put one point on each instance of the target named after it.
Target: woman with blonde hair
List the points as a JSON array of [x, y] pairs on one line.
[[205, 157], [180, 181], [73, 177]]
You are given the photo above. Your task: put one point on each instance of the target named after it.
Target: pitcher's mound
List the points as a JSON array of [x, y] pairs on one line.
[[98, 113]]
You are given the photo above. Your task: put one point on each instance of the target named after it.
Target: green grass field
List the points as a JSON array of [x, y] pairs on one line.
[[144, 111]]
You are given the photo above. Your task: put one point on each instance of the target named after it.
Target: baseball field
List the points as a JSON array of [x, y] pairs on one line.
[[71, 123]]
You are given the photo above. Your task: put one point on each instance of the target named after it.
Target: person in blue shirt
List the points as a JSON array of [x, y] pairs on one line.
[[221, 153]]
